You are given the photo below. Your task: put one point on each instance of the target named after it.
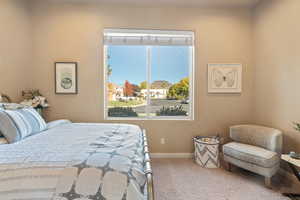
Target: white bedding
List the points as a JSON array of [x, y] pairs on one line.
[[75, 161]]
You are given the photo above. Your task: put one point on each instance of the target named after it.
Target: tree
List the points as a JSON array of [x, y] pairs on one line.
[[184, 87], [110, 86], [128, 89], [109, 70], [111, 89], [179, 90], [136, 90], [172, 94], [143, 85]]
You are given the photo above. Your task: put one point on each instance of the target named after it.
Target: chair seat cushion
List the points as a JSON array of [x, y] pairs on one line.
[[251, 154]]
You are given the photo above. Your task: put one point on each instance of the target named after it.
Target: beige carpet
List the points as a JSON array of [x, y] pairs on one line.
[[182, 179]]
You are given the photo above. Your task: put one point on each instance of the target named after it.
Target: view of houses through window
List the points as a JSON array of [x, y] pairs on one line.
[[148, 81]]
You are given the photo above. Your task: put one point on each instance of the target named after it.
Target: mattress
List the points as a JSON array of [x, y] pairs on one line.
[[75, 161]]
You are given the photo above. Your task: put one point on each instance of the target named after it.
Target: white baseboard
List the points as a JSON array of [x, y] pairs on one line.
[[171, 155]]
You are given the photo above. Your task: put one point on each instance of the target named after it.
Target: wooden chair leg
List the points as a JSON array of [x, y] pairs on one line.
[[268, 182]]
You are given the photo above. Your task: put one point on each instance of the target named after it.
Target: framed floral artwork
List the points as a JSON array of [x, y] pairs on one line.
[[224, 78], [66, 78]]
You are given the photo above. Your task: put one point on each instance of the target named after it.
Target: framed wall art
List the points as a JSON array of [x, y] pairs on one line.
[[224, 78], [66, 78]]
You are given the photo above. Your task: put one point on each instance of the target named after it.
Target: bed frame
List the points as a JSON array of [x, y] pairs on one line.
[[148, 169]]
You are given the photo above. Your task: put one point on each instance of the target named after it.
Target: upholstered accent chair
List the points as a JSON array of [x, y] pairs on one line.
[[254, 148]]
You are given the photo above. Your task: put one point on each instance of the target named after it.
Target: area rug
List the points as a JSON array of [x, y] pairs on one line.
[[183, 179]]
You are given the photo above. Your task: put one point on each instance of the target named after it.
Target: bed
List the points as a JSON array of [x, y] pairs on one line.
[[78, 161]]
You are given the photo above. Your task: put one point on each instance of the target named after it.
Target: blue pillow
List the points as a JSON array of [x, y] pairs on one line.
[[18, 124]]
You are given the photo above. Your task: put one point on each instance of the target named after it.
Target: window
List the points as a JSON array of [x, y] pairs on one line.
[[148, 74]]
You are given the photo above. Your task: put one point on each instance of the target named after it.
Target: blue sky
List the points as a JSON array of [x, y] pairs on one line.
[[129, 63]]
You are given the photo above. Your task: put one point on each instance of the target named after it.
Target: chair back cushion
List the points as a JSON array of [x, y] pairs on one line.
[[18, 124], [265, 137]]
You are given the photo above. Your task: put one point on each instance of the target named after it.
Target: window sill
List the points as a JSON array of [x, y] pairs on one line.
[[150, 118]]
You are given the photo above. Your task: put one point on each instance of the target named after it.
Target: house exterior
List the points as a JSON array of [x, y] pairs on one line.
[[115, 92], [155, 93]]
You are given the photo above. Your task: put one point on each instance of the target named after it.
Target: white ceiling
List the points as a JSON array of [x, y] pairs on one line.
[[202, 3]]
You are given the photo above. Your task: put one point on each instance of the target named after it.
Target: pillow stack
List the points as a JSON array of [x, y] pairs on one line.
[[21, 123]]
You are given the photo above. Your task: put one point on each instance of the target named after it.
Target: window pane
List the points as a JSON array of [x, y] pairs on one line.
[[170, 81], [126, 74]]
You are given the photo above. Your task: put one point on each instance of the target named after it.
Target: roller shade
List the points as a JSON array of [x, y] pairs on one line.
[[148, 37]]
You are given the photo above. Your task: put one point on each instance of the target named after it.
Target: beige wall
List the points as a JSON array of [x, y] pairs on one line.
[[33, 38], [72, 32], [277, 80], [15, 47]]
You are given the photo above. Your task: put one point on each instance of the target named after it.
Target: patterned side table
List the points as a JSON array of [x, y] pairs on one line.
[[293, 163], [207, 151]]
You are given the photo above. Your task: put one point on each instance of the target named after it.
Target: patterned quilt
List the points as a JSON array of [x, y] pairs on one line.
[[75, 161]]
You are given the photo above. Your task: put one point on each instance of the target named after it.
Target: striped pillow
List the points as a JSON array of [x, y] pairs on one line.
[[18, 124]]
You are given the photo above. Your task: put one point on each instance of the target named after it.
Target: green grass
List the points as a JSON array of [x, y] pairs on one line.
[[125, 103]]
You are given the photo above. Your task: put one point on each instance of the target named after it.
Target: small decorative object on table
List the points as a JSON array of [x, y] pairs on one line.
[[207, 151], [294, 155], [4, 98], [297, 126], [35, 99]]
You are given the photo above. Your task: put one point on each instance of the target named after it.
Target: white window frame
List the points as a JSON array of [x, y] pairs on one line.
[[148, 71]]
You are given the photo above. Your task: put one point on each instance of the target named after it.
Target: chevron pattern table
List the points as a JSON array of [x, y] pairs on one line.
[[207, 152]]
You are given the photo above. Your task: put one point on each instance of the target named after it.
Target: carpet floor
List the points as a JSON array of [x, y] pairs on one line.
[[182, 179]]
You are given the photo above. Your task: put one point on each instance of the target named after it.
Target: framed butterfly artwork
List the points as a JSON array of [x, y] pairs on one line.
[[224, 78]]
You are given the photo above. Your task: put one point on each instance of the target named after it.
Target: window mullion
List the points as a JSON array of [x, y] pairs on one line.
[[148, 71], [105, 82], [191, 82]]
